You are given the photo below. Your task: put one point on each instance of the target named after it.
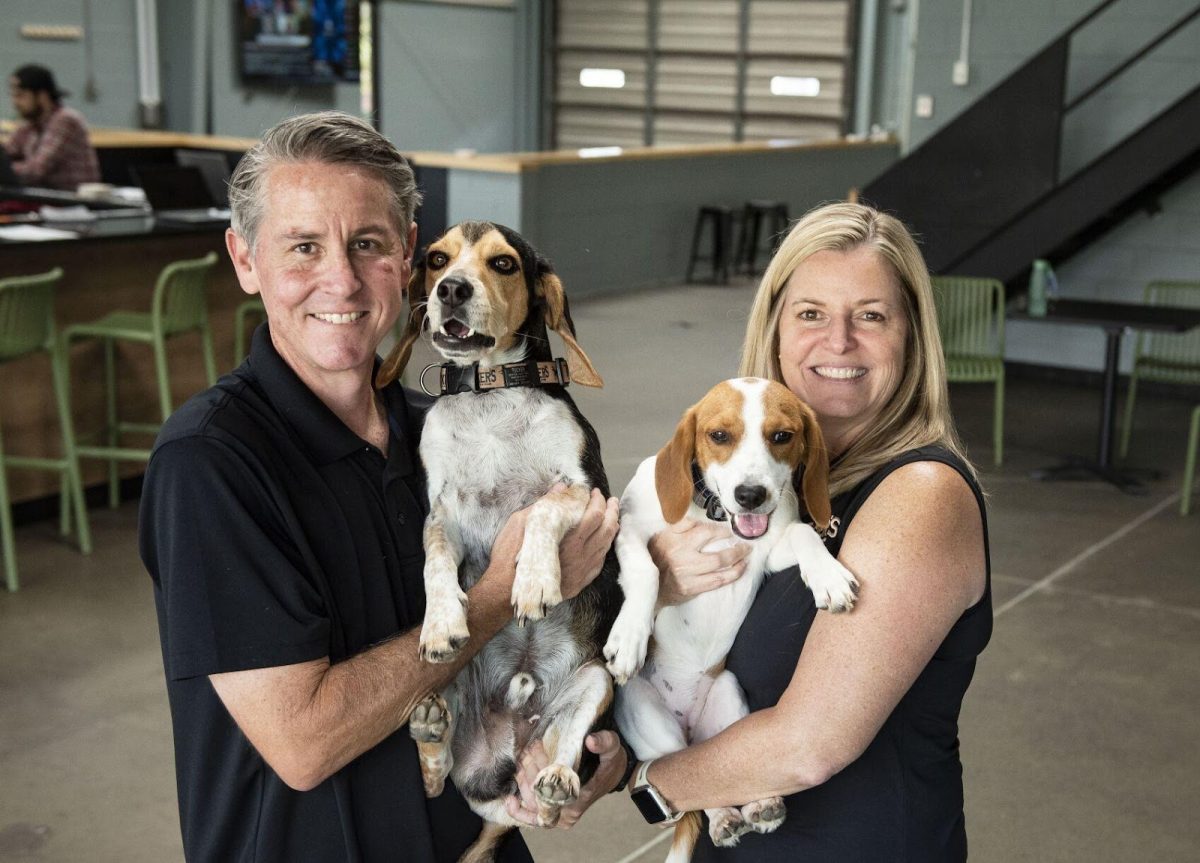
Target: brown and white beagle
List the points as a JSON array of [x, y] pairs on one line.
[[732, 459], [501, 434]]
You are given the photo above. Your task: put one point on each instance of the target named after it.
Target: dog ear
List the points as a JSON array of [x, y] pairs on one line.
[[673, 469], [394, 365], [558, 318], [815, 483]]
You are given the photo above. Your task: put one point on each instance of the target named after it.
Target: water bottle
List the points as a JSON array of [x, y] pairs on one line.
[[1039, 281]]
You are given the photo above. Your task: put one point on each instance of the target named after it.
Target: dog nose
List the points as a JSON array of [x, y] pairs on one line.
[[749, 496], [454, 291]]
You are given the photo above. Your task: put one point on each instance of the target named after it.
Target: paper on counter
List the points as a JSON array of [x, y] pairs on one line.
[[29, 233]]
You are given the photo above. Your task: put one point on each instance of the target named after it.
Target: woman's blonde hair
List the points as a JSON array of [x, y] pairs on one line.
[[918, 414]]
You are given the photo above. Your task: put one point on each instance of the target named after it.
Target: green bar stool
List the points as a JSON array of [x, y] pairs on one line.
[[26, 326], [179, 306], [253, 309]]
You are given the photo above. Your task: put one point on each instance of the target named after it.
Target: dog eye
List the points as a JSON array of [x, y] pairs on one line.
[[719, 436], [781, 437], [437, 260], [503, 264]]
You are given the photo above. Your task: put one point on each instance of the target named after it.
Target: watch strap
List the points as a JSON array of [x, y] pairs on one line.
[[631, 764]]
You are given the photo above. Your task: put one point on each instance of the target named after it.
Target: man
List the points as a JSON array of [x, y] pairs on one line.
[[281, 523], [51, 148]]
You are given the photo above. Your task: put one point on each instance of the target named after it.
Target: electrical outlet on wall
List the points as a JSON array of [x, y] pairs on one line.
[[961, 73], [924, 106]]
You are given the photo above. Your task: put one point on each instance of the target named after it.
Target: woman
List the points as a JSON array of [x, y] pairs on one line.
[[855, 716]]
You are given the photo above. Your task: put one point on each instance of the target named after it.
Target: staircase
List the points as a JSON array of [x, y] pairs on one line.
[[987, 194]]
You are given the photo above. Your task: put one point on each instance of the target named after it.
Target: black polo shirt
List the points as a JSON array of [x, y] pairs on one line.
[[275, 535]]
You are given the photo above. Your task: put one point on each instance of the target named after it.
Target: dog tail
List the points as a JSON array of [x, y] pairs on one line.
[[520, 689], [687, 831]]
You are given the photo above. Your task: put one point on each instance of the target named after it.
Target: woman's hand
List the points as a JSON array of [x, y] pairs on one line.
[[523, 806], [685, 569]]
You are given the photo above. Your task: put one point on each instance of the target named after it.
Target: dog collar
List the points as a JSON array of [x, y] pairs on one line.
[[705, 498], [454, 378]]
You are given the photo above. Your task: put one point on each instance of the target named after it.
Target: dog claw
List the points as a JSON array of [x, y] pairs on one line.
[[726, 828], [764, 816], [430, 720], [555, 787]]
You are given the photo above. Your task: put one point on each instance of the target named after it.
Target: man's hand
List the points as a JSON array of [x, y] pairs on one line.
[[606, 744], [581, 553], [686, 570]]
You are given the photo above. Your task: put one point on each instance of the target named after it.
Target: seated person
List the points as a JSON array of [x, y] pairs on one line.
[[51, 148]]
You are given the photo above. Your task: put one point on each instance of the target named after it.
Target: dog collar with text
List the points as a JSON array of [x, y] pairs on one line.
[[454, 378], [705, 498]]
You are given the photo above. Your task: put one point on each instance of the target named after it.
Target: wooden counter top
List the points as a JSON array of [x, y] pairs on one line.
[[516, 163]]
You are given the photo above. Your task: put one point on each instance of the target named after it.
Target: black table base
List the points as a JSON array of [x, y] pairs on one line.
[[1128, 480]]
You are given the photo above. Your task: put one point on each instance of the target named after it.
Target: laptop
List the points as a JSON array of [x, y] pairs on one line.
[[215, 169], [178, 193]]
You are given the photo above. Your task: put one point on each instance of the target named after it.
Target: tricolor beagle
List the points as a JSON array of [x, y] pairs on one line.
[[732, 458], [502, 432]]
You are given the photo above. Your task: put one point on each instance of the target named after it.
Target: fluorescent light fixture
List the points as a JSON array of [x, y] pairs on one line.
[[784, 85], [598, 152], [614, 79]]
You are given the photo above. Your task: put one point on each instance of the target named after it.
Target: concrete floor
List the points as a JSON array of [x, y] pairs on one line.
[[1080, 735]]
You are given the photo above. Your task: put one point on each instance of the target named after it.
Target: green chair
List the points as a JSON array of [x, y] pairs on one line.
[[179, 306], [970, 314], [253, 309], [27, 326], [1189, 469], [1166, 357]]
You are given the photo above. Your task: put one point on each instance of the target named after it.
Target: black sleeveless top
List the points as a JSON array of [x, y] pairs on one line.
[[902, 799]]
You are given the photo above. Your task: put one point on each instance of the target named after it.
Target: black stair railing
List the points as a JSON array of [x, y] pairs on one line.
[[969, 189]]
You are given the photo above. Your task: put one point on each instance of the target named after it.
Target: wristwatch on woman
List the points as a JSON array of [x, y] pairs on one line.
[[653, 806]]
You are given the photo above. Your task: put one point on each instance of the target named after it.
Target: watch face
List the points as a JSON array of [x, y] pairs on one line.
[[648, 804]]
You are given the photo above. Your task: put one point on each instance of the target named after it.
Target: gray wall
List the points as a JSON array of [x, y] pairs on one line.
[[112, 100], [456, 77]]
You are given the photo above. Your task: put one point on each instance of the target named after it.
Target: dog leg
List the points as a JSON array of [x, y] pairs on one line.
[[833, 586], [724, 705], [444, 631], [630, 633], [646, 722], [572, 714], [537, 587], [431, 725]]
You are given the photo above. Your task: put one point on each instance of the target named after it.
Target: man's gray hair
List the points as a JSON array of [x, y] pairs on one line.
[[331, 137]]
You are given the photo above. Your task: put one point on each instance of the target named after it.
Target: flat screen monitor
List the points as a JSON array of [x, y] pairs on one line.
[[298, 41]]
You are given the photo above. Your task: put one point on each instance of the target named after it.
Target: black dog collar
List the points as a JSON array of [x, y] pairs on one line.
[[705, 498], [454, 378]]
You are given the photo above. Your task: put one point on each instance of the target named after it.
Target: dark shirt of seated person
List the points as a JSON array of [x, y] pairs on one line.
[[854, 716], [51, 148], [281, 523]]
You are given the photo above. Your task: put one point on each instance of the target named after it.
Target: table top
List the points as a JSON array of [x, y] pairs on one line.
[[1117, 316]]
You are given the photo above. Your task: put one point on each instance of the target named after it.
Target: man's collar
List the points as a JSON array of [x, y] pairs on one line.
[[318, 427]]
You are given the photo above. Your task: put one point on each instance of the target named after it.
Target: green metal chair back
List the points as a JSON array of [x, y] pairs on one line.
[[970, 314], [180, 300], [1170, 357], [27, 313]]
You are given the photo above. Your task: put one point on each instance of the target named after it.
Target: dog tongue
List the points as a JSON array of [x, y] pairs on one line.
[[456, 328], [750, 525]]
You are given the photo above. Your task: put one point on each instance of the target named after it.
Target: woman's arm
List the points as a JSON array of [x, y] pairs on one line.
[[917, 547]]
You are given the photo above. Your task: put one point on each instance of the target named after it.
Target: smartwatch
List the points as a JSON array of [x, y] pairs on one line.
[[653, 806]]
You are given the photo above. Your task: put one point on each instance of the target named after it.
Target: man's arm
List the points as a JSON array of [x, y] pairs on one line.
[[49, 151], [310, 719]]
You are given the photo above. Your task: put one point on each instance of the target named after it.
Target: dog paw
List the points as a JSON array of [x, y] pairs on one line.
[[445, 630], [625, 650], [555, 787], [833, 586], [726, 826], [430, 720], [763, 816], [536, 589]]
